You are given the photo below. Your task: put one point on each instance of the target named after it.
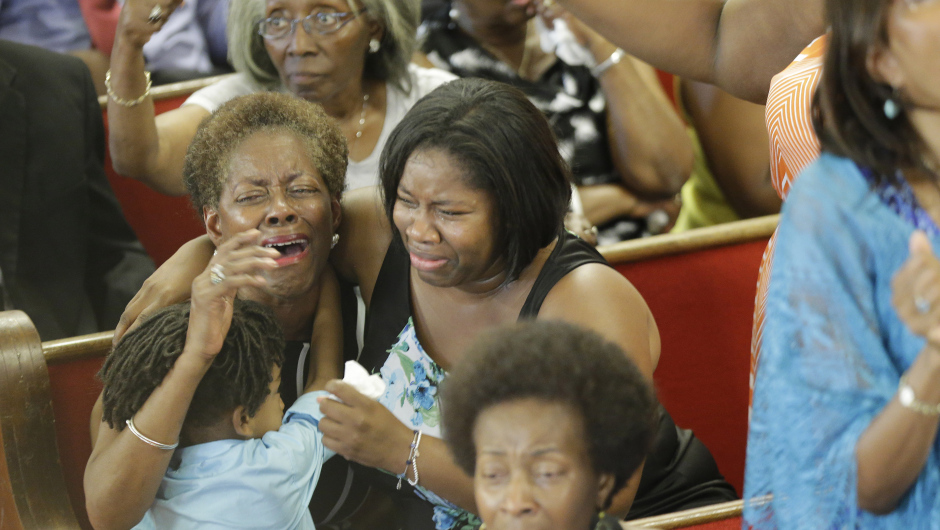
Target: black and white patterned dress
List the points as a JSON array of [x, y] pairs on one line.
[[569, 96]]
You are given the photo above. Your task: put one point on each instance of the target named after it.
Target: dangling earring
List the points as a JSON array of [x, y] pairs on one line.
[[483, 526], [600, 520], [374, 45], [892, 107], [335, 241]]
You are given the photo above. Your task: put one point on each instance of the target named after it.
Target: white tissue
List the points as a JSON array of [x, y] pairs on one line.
[[368, 385], [563, 43]]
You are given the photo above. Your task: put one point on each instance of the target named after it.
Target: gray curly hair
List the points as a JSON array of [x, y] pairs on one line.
[[399, 18]]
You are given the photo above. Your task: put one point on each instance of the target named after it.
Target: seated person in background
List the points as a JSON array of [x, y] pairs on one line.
[[67, 256], [731, 178], [616, 129], [550, 420], [843, 431], [191, 45], [239, 465]]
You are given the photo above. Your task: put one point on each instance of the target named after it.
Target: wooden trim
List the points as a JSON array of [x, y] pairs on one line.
[[32, 465], [698, 239], [173, 90], [705, 514], [77, 348]]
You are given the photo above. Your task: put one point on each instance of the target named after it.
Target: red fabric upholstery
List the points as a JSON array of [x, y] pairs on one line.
[[162, 223], [702, 302], [74, 391]]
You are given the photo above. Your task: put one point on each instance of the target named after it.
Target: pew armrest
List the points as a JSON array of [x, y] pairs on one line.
[[32, 487]]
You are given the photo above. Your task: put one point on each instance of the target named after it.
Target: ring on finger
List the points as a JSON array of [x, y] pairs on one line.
[[156, 15], [922, 305], [216, 274]]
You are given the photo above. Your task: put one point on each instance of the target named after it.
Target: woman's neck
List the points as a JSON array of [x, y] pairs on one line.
[[927, 124], [360, 114], [295, 314], [507, 42]]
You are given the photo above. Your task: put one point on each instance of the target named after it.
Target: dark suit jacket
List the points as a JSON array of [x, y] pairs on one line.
[[68, 257]]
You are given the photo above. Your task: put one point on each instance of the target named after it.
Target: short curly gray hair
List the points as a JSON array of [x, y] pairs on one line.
[[399, 18], [204, 171]]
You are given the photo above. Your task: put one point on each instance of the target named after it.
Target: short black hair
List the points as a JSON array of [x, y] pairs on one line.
[[848, 106], [506, 147], [240, 375], [555, 362]]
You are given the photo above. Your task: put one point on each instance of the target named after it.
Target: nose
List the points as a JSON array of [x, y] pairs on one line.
[[280, 211], [422, 229], [301, 42], [519, 499]]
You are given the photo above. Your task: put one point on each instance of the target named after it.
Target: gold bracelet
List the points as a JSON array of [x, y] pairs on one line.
[[126, 102], [909, 401]]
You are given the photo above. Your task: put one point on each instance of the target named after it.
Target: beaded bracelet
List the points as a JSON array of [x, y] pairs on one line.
[[148, 441], [412, 461], [127, 102]]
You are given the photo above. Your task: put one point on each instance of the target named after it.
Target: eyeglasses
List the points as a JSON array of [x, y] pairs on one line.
[[322, 22]]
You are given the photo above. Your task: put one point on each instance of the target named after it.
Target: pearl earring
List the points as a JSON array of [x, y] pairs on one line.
[[892, 108], [335, 241], [374, 45]]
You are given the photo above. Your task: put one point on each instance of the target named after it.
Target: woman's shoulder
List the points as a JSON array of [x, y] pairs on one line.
[[229, 87], [424, 80], [832, 181]]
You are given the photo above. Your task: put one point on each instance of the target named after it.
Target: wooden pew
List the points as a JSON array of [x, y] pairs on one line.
[[699, 285], [162, 223]]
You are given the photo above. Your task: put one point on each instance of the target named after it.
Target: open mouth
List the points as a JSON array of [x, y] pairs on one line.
[[292, 248]]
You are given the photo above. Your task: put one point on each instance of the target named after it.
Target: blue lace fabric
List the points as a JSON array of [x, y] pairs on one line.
[[833, 352], [900, 197]]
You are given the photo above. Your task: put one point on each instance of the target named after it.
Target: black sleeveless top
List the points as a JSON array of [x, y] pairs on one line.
[[390, 307]]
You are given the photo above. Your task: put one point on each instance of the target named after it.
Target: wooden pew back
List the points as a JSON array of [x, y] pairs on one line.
[[33, 494], [700, 286]]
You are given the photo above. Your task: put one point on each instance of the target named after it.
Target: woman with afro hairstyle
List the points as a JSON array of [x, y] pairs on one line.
[[550, 420]]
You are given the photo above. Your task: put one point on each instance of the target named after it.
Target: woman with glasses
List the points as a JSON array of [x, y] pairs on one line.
[[350, 56]]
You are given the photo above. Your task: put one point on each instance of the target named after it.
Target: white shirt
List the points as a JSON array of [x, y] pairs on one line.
[[366, 171]]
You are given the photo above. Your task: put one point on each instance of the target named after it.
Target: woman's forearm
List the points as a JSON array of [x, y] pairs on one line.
[[438, 472], [123, 473], [648, 142], [326, 341], [144, 147], [892, 451], [736, 44]]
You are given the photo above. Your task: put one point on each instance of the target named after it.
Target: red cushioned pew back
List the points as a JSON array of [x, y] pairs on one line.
[[700, 287], [162, 223]]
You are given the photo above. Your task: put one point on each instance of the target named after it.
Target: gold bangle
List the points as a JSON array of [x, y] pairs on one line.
[[909, 400], [126, 102]]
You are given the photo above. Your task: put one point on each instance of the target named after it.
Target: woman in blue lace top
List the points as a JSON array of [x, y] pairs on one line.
[[844, 426]]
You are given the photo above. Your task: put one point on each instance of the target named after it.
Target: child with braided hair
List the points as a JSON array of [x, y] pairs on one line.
[[219, 357]]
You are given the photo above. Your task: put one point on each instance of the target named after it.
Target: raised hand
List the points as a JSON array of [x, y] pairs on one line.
[[916, 290], [140, 19], [237, 263]]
